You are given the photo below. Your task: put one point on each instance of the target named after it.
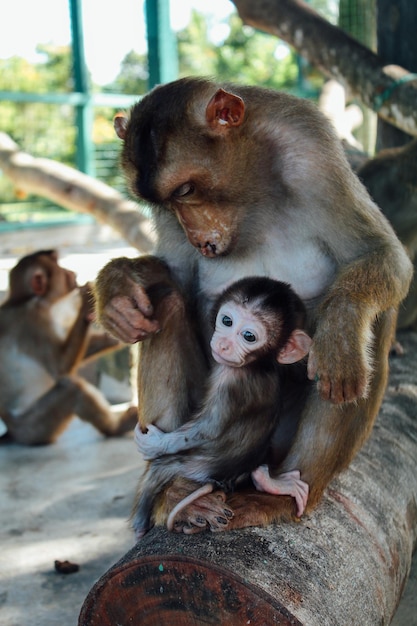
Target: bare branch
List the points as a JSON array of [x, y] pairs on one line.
[[389, 90], [75, 191]]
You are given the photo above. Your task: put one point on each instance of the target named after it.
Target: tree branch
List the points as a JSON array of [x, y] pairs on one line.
[[75, 191], [384, 88]]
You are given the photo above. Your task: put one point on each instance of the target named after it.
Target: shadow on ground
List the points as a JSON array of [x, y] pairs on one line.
[[70, 501]]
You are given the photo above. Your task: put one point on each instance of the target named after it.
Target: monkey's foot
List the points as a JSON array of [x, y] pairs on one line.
[[254, 508], [285, 484], [123, 422], [206, 513]]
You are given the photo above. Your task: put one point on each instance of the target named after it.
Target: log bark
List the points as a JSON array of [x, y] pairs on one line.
[[346, 563], [75, 191], [384, 88]]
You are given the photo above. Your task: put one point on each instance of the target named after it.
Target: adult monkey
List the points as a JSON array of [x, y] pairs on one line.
[[257, 183], [44, 337]]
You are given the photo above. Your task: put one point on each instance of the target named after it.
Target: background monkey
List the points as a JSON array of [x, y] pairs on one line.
[[246, 181], [258, 324], [39, 353]]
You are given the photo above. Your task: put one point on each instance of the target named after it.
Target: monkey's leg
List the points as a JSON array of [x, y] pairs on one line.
[[171, 368], [328, 438], [46, 419], [149, 488], [91, 406], [407, 315], [100, 344]]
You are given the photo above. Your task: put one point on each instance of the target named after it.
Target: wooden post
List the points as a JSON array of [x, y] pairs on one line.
[[346, 563]]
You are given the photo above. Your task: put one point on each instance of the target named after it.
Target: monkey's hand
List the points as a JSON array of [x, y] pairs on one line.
[[152, 443], [128, 317], [87, 300], [155, 442], [123, 303], [286, 484], [340, 362]]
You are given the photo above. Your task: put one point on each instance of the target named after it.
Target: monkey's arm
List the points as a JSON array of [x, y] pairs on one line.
[[340, 358], [156, 443], [74, 347]]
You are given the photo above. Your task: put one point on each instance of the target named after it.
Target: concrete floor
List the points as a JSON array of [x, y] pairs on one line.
[[71, 501]]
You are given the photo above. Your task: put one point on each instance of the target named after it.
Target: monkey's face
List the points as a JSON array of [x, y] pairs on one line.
[[60, 280], [239, 336], [210, 223], [197, 191], [183, 153]]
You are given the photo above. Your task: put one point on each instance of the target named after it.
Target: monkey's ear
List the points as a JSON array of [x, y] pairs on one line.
[[224, 111], [38, 282], [120, 124], [296, 348]]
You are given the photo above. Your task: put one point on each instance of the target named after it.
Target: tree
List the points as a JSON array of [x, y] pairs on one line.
[[133, 75], [244, 55]]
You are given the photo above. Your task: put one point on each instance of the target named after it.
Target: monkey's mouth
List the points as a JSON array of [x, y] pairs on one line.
[[210, 250], [222, 361]]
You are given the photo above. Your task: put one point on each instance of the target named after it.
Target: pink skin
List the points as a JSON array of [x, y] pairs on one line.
[[228, 344], [286, 484]]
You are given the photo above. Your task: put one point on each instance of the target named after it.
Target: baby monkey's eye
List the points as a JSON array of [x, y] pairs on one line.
[[249, 336], [184, 190], [226, 320]]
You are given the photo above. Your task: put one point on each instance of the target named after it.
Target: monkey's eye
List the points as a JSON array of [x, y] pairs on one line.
[[249, 336], [226, 320], [184, 190]]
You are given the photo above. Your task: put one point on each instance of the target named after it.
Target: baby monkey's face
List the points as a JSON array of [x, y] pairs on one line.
[[239, 335]]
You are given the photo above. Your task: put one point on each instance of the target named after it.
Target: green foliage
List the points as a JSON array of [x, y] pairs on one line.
[[133, 75], [56, 70], [244, 56], [41, 129], [228, 51]]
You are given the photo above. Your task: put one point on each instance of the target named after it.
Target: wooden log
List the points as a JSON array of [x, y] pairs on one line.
[[346, 563]]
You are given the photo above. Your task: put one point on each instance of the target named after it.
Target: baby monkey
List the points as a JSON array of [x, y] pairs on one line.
[[258, 328]]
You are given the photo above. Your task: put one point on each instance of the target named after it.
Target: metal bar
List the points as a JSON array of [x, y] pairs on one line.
[[73, 99], [162, 48], [84, 111]]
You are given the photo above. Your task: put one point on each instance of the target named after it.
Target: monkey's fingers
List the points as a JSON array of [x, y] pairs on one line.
[[300, 493], [127, 322], [342, 390], [149, 444], [286, 484], [339, 383]]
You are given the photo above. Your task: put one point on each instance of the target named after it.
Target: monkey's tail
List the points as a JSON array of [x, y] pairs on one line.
[[198, 493]]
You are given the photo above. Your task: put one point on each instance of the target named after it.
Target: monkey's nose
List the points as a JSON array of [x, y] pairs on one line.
[[208, 249]]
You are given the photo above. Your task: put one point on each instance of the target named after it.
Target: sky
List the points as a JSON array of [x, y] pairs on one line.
[[111, 29]]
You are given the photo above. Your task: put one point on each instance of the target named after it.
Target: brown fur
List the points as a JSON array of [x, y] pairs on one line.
[[39, 390], [246, 181]]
